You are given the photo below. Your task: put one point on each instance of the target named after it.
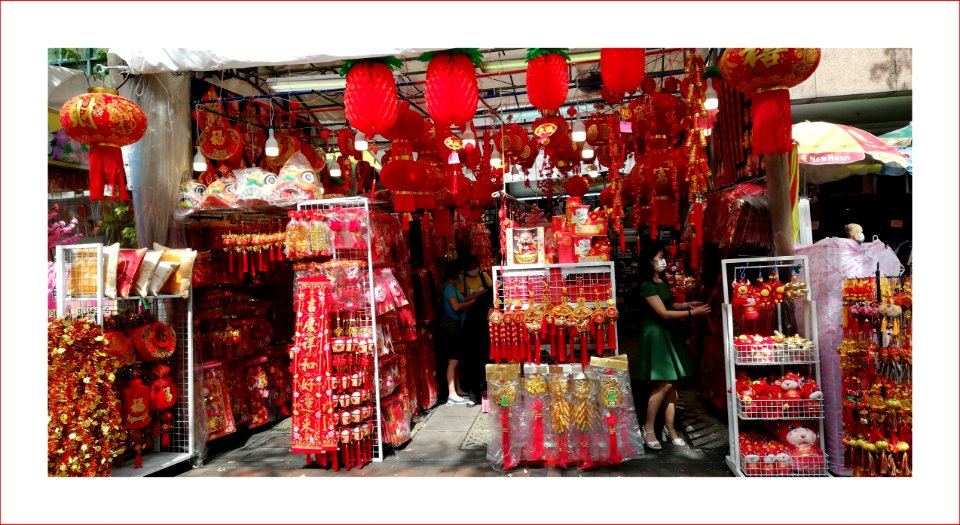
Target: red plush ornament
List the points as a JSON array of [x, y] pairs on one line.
[[766, 74], [451, 91], [622, 68], [370, 98], [548, 78], [136, 405], [154, 341], [163, 391], [577, 186], [105, 121]]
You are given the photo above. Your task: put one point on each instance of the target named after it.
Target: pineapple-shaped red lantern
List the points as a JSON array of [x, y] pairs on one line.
[[105, 121], [370, 98], [766, 74], [547, 78], [622, 68], [451, 91]]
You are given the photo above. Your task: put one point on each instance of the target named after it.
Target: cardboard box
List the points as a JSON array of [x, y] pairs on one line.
[[525, 246], [595, 223]]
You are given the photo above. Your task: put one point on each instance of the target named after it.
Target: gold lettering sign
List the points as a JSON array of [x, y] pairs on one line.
[[768, 56], [81, 115]]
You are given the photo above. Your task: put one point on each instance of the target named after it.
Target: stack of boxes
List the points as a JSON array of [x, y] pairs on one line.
[[581, 234]]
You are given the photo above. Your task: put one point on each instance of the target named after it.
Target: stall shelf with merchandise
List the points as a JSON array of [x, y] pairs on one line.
[[774, 406]]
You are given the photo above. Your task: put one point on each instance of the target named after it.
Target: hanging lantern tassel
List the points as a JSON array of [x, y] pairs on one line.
[[613, 454], [771, 121], [536, 441], [584, 356]]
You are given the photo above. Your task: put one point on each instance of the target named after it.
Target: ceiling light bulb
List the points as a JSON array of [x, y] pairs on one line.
[[495, 159], [711, 102], [271, 148], [335, 168], [587, 151], [199, 162], [360, 142], [579, 132], [453, 158], [469, 139]]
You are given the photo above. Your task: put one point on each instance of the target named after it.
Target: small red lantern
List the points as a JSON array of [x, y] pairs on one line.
[[402, 175], [766, 74], [598, 129], [622, 68], [105, 121], [370, 98], [548, 78], [451, 91], [657, 179], [577, 186]]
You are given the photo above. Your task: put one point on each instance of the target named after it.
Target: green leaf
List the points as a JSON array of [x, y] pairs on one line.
[[536, 52], [711, 72], [472, 52], [390, 61]]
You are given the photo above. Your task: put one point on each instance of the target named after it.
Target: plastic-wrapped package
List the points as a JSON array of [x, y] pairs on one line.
[[296, 182], [617, 412], [590, 447], [254, 186], [349, 228], [535, 401], [396, 426], [504, 445], [221, 193], [560, 435], [296, 241], [192, 194], [384, 235]]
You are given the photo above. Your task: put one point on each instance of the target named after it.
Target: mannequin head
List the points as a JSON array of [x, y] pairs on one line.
[[854, 232]]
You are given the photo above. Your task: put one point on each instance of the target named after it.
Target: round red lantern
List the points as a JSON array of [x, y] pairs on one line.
[[659, 118], [370, 98], [105, 121], [766, 74], [402, 176], [577, 186], [451, 91], [622, 68], [409, 125], [154, 341], [548, 78]]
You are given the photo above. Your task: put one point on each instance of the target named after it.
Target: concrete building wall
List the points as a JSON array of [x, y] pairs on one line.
[[851, 71]]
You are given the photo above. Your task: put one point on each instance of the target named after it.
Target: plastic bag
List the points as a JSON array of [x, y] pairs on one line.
[[192, 195], [618, 416], [254, 186], [504, 446], [296, 182], [221, 193], [536, 399], [559, 432], [590, 447]]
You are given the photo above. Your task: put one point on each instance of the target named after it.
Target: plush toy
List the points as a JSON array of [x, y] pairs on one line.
[[769, 459], [779, 289], [744, 302], [751, 460], [784, 463], [789, 385], [806, 456], [764, 293]]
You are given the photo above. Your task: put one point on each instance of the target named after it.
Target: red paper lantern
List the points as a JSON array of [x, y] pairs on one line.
[[105, 121], [370, 98], [403, 176], [409, 125], [766, 74], [577, 186], [451, 91], [622, 68], [547, 78]]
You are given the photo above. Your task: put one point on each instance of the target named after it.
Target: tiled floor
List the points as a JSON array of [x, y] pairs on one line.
[[435, 450]]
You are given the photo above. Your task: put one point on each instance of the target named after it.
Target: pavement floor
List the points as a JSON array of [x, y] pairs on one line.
[[449, 440]]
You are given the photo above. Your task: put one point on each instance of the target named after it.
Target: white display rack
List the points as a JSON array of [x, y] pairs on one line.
[[79, 296], [550, 283], [367, 318], [800, 314]]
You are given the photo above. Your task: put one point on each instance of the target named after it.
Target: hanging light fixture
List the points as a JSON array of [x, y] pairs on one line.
[[199, 162], [271, 148], [707, 132], [711, 102], [587, 151], [495, 159], [579, 133], [360, 142], [334, 168], [469, 139]]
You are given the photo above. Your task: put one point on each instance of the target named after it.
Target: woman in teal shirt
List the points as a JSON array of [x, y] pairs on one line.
[[662, 355], [449, 338]]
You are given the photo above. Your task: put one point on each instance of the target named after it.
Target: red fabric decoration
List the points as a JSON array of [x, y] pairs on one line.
[[577, 186], [451, 91], [105, 121], [345, 141], [766, 75], [163, 391], [371, 98], [154, 341], [622, 68], [402, 175], [547, 81], [136, 405]]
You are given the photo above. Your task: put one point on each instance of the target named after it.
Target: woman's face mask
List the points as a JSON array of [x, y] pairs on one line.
[[474, 272], [860, 237], [660, 264]]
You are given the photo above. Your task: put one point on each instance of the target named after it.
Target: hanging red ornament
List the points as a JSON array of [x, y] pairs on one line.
[[163, 391], [136, 405], [105, 121], [622, 68], [345, 139], [370, 98], [766, 74], [451, 91], [402, 175], [648, 85], [576, 186], [610, 97], [671, 85], [548, 78]]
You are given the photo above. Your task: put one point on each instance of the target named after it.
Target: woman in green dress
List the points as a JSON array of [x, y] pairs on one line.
[[662, 356]]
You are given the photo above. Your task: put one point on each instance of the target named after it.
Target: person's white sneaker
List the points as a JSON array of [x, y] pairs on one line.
[[454, 399]]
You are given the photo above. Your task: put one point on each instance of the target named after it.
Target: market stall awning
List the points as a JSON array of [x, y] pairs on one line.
[[829, 152], [899, 138]]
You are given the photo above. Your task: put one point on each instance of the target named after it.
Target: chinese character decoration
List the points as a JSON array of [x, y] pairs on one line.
[[766, 74], [105, 121]]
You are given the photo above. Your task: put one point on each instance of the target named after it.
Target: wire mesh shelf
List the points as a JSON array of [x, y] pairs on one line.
[[783, 465], [780, 408], [775, 354]]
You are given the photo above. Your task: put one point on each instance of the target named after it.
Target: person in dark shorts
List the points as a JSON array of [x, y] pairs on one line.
[[449, 334]]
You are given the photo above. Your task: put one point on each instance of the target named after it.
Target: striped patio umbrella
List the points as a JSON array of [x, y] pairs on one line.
[[829, 152]]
